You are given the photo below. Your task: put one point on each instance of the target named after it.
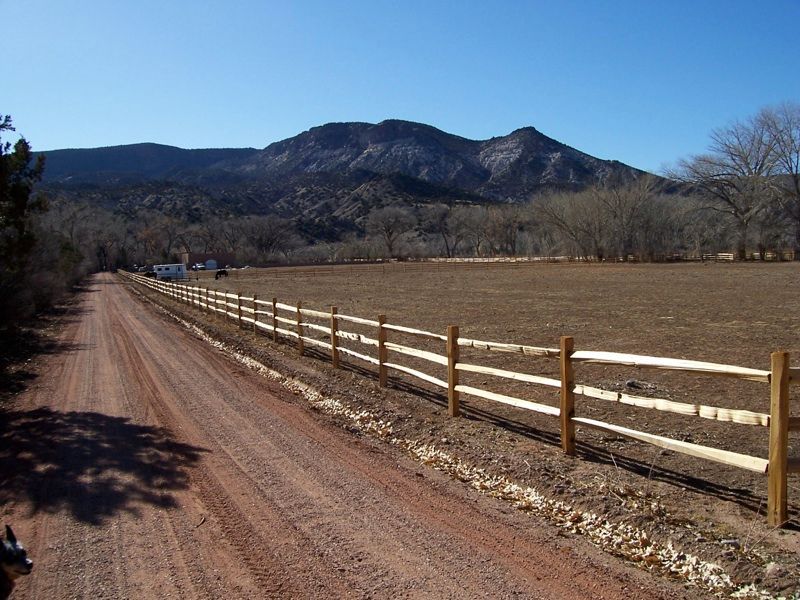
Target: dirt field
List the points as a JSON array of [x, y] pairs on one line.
[[141, 462], [727, 313]]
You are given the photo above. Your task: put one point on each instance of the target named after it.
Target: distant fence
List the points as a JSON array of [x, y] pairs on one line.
[[410, 264], [299, 323]]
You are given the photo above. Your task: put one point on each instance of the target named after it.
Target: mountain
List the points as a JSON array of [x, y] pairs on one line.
[[134, 162], [335, 173], [504, 168]]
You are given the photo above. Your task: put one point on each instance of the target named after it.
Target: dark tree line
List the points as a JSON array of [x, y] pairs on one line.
[[19, 173]]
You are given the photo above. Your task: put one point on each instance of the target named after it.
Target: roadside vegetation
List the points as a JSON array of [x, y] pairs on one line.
[[39, 260]]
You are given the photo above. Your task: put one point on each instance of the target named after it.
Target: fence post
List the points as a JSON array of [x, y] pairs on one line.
[[239, 307], [255, 315], [274, 319], [300, 345], [777, 512], [208, 305], [225, 314], [382, 352], [567, 396], [334, 340], [453, 403]]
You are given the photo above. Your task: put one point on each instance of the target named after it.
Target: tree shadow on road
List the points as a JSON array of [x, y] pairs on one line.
[[22, 343], [89, 464]]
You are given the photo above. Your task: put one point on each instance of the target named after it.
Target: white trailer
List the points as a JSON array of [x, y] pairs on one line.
[[170, 272]]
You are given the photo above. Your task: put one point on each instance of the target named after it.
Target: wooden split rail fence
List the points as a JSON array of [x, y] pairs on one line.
[[270, 317]]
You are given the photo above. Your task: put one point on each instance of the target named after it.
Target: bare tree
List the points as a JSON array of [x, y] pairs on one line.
[[703, 232], [770, 231], [231, 234], [472, 219], [503, 225], [445, 222], [390, 223], [661, 228], [624, 205], [782, 123], [159, 234], [270, 235], [580, 218], [734, 176]]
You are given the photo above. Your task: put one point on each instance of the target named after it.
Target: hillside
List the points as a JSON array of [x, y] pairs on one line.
[[329, 177], [133, 162], [507, 168]]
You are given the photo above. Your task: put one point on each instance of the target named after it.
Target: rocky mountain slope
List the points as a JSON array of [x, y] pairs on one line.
[[504, 168], [338, 171]]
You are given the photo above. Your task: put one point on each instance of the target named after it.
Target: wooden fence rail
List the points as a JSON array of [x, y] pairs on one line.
[[301, 322]]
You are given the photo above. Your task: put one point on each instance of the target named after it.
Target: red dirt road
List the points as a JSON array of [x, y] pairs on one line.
[[143, 463]]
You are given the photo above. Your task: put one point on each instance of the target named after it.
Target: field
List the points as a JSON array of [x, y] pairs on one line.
[[731, 313], [724, 313]]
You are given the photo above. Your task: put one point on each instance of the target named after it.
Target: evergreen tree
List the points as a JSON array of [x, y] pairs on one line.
[[18, 203]]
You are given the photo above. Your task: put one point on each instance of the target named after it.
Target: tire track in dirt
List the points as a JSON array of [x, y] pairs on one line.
[[154, 402], [233, 519]]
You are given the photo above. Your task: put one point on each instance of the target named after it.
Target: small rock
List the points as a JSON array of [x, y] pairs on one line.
[[731, 542], [774, 571]]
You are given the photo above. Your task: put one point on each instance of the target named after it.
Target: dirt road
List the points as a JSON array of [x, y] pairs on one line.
[[143, 463]]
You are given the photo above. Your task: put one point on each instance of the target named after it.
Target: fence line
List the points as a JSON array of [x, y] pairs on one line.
[[776, 466], [314, 269]]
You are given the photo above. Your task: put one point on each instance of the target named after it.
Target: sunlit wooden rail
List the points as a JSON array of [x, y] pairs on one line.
[[323, 329]]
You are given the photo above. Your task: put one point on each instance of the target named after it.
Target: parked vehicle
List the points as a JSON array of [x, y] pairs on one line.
[[170, 272]]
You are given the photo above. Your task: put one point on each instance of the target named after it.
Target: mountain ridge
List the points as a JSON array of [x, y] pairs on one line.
[[502, 167], [328, 173]]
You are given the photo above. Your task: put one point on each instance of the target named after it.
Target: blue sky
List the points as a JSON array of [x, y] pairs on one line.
[[640, 82]]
